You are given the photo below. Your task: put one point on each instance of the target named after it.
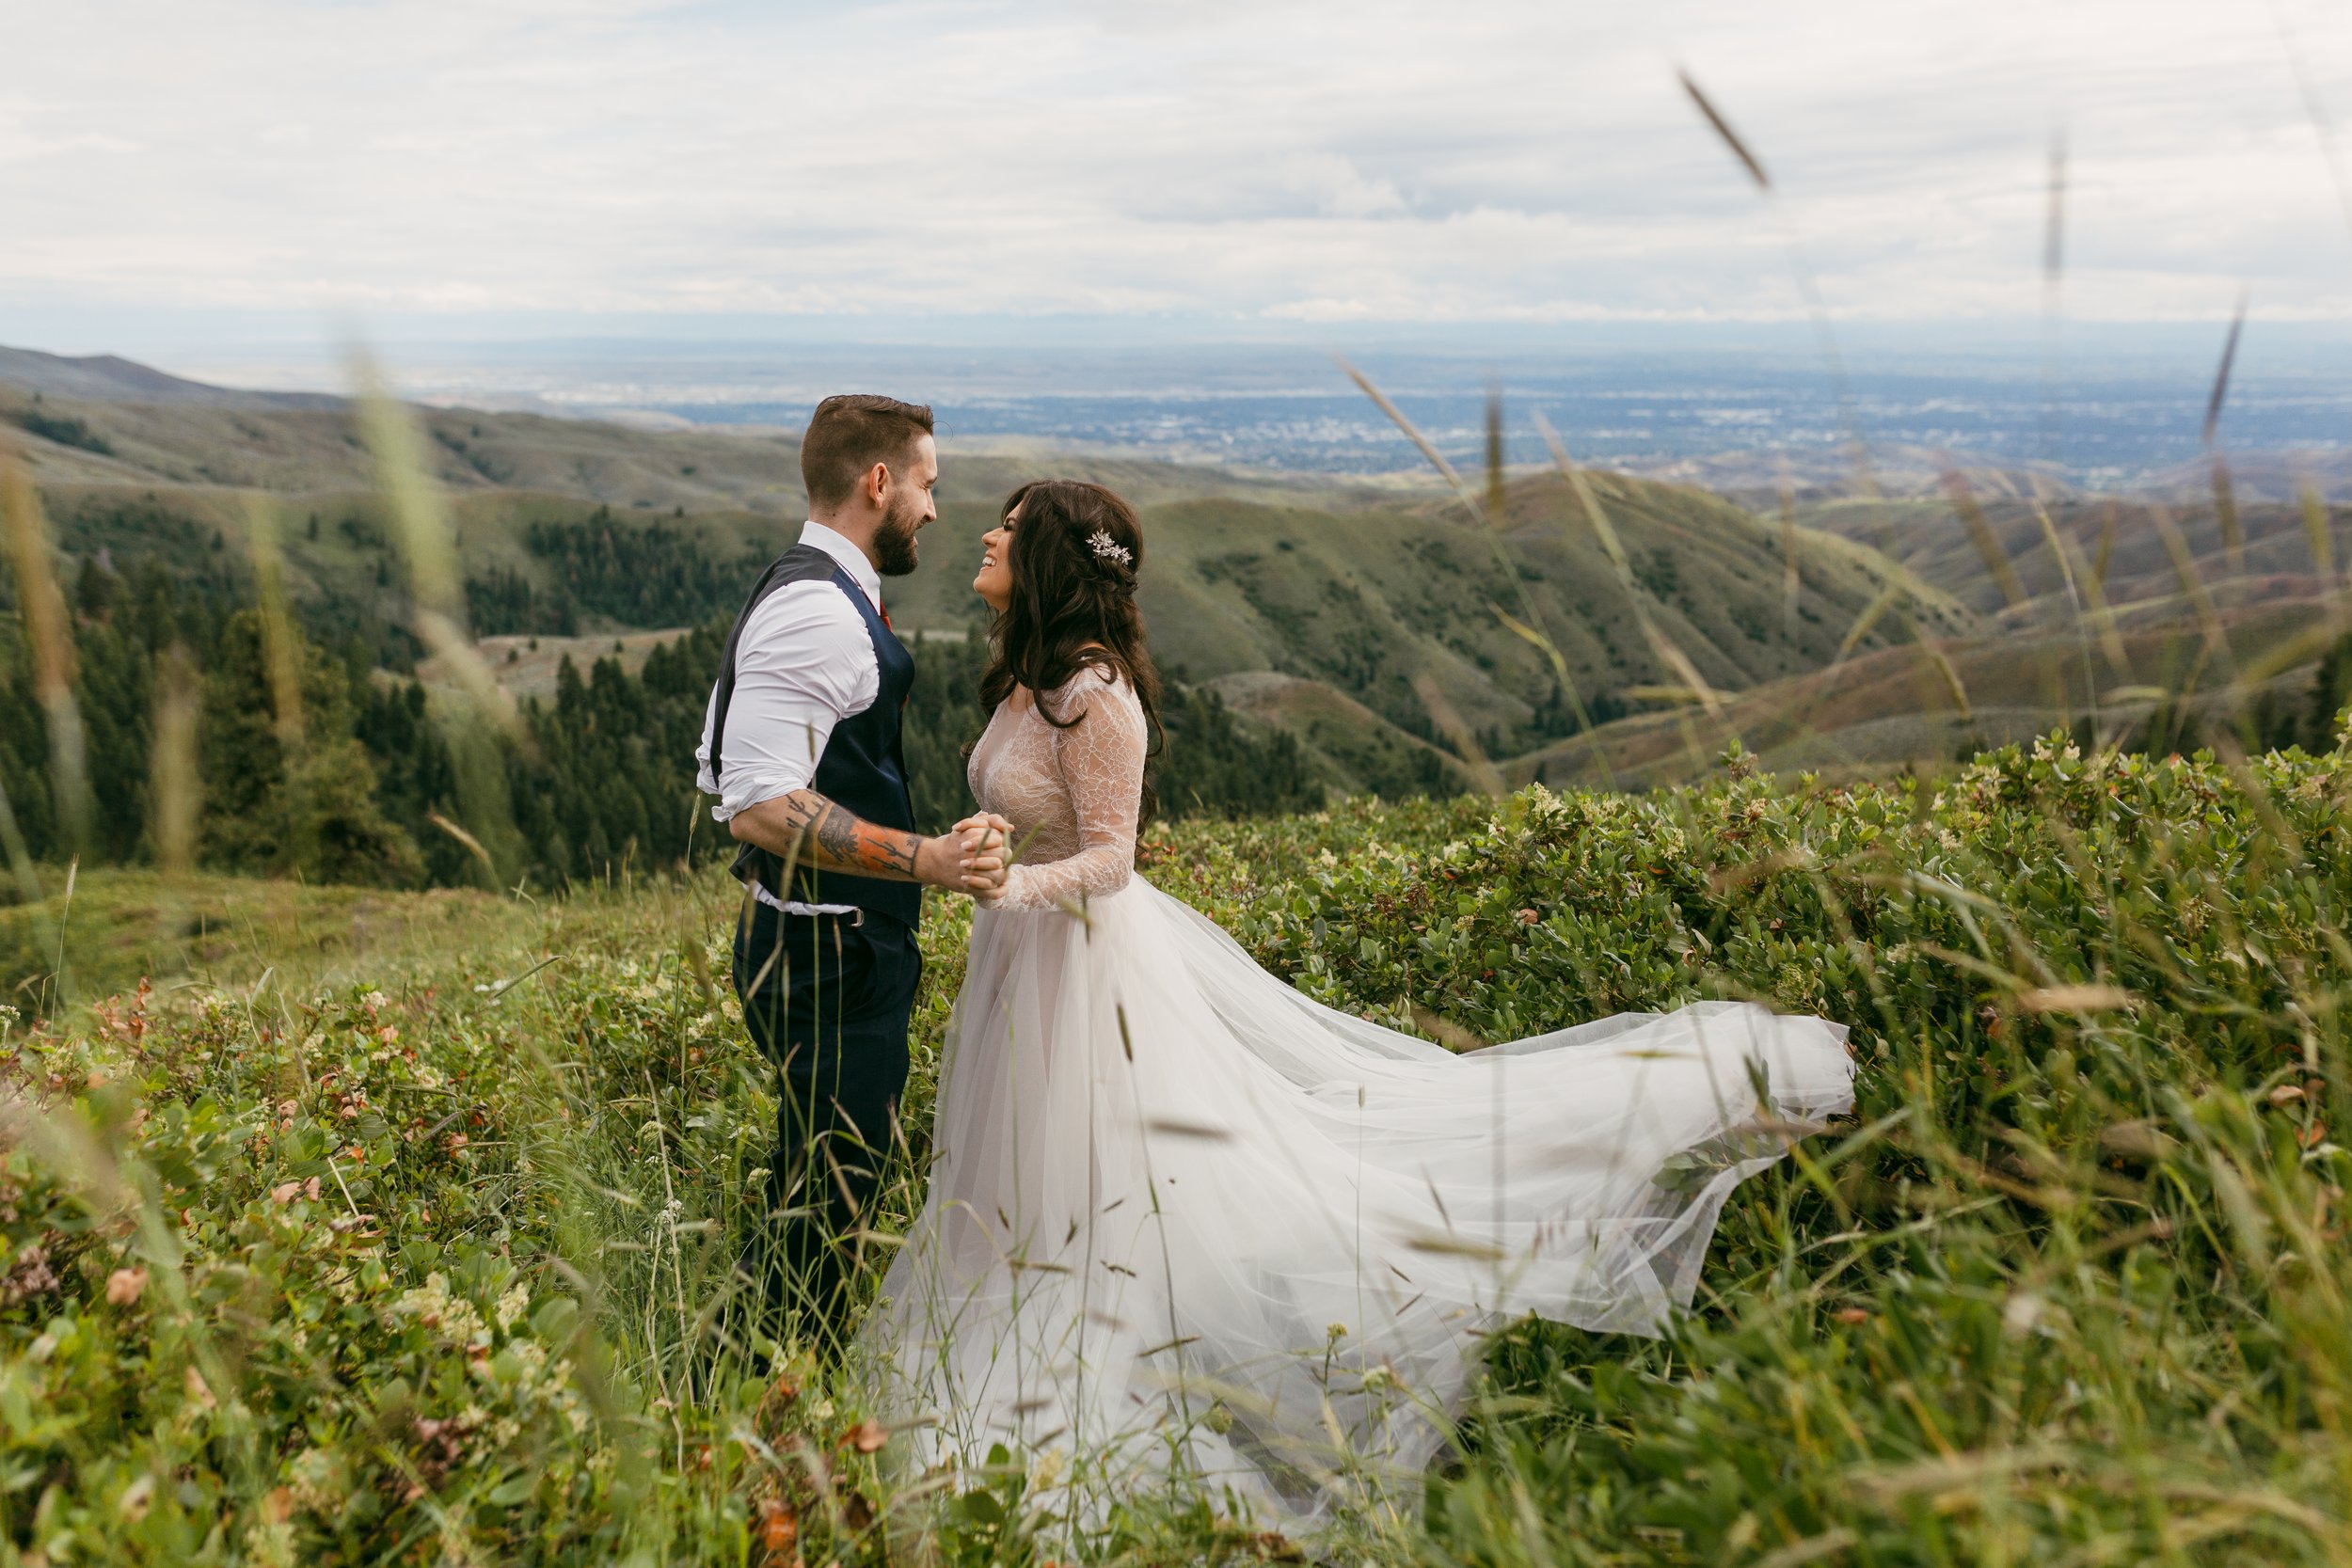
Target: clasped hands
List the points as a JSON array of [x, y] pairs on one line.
[[987, 843]]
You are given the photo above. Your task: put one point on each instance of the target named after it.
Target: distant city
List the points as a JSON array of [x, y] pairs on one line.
[[2114, 412]]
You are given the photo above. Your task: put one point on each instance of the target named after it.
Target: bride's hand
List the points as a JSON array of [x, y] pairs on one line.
[[987, 851], [985, 822]]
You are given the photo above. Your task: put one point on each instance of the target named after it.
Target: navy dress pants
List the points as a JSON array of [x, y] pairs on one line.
[[828, 998]]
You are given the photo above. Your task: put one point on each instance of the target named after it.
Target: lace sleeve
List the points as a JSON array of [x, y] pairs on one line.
[[1100, 761]]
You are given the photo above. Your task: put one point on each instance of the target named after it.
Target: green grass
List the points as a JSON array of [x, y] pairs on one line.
[[385, 1228], [212, 932]]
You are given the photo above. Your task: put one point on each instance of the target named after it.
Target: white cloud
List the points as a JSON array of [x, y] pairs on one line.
[[1276, 159]]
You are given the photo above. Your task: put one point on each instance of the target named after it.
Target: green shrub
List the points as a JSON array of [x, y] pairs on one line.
[[410, 1255]]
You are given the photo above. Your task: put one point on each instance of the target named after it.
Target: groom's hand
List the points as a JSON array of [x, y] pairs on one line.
[[949, 862]]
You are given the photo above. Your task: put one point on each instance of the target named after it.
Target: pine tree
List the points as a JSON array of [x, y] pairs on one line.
[[288, 794]]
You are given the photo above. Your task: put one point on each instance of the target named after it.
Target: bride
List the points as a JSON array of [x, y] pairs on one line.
[[1186, 1227]]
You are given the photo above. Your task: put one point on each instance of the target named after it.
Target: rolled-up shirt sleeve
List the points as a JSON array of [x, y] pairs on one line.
[[803, 663]]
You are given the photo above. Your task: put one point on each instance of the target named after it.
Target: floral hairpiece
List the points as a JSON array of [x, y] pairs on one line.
[[1101, 543]]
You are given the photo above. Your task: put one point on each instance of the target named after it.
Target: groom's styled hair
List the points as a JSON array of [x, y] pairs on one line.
[[849, 435]]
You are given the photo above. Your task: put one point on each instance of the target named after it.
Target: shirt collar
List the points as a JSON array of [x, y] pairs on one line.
[[839, 546]]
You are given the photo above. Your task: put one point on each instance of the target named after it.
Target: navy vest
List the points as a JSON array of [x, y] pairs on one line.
[[862, 769]]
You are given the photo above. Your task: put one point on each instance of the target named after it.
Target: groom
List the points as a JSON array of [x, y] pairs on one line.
[[801, 746]]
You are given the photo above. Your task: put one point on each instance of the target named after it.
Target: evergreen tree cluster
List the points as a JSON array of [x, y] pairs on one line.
[[506, 603], [331, 768], [416, 774], [942, 719], [285, 786], [653, 575], [361, 614], [63, 429], [608, 782], [1211, 764]]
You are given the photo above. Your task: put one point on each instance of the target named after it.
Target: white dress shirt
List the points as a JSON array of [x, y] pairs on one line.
[[803, 663]]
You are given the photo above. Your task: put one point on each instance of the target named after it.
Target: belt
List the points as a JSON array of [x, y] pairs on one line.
[[761, 892]]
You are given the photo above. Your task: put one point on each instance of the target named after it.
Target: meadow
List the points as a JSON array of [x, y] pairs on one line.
[[381, 1227], [387, 1223]]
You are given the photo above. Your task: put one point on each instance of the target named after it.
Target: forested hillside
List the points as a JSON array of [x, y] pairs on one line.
[[1372, 626], [342, 771], [1389, 599], [1377, 604]]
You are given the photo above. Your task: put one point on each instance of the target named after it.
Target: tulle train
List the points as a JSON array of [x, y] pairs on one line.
[[1186, 1225]]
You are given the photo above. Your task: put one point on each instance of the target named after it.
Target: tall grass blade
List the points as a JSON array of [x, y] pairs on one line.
[[2225, 513], [1802, 271], [2224, 502], [1662, 645], [1982, 535], [1412, 433], [2315, 113], [2057, 547], [1791, 580], [49, 629], [282, 642], [2321, 539], [2191, 580], [2092, 616], [2053, 280], [19, 852], [486, 716], [1491, 527], [2317, 534], [1450, 723], [11, 832], [176, 782], [427, 545], [471, 845], [1872, 614], [2220, 393], [2053, 217], [1949, 674], [2106, 556], [1495, 496], [1722, 129]]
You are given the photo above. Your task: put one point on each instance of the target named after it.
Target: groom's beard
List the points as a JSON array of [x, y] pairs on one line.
[[894, 542]]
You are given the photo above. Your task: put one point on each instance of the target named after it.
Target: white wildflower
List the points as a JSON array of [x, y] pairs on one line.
[[513, 1305], [452, 1319]]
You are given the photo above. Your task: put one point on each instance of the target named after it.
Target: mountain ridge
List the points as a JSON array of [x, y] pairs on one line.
[[111, 378]]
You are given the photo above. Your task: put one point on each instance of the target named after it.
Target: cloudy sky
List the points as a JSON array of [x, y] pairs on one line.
[[472, 164]]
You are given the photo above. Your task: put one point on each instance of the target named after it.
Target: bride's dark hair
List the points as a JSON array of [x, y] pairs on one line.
[[1076, 551]]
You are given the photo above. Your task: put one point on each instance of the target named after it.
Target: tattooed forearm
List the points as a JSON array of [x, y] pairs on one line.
[[806, 828], [845, 843]]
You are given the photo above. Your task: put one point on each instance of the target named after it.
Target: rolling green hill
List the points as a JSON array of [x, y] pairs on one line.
[[2111, 638], [314, 448], [1904, 705], [2119, 545], [575, 529]]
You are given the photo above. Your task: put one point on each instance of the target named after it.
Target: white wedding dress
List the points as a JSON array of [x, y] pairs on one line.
[[1187, 1227]]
